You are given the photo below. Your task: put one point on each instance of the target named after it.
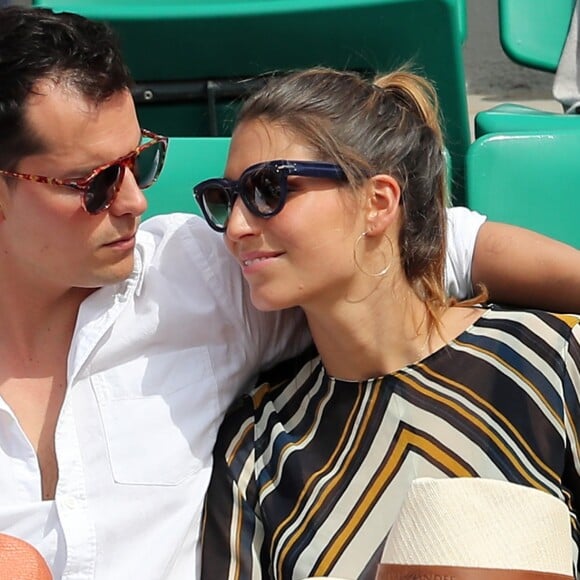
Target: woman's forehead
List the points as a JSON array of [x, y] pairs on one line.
[[259, 140]]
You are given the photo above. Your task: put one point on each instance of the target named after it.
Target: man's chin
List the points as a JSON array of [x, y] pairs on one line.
[[113, 274]]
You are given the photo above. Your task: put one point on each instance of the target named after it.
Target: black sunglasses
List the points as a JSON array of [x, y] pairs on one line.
[[99, 188], [263, 188]]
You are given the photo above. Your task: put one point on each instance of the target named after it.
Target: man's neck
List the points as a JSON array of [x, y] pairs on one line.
[[34, 323], [37, 332]]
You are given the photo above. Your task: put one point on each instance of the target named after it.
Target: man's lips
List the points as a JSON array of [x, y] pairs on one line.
[[122, 240]]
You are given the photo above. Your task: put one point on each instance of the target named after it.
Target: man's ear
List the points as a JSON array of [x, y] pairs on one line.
[[383, 203]]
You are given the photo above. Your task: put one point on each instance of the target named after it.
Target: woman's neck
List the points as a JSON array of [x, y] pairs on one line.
[[385, 332]]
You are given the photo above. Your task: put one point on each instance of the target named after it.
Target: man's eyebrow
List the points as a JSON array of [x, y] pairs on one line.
[[84, 171]]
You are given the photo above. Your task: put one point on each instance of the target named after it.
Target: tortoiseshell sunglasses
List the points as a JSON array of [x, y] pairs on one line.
[[99, 188]]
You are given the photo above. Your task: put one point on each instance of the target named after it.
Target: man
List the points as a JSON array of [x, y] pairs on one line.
[[121, 348], [109, 399]]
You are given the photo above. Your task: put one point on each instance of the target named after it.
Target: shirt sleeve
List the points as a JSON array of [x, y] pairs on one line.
[[232, 533], [462, 228]]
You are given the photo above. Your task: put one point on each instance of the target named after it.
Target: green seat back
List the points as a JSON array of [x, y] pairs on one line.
[[174, 47], [528, 179], [189, 160], [510, 117], [533, 32]]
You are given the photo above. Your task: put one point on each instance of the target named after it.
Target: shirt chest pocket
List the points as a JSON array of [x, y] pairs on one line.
[[158, 416]]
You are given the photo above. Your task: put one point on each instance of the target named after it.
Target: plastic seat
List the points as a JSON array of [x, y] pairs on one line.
[[532, 33], [190, 58], [528, 179], [189, 160], [509, 117]]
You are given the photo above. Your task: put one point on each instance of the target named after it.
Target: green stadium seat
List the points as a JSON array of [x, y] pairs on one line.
[[508, 117], [189, 160], [528, 179], [532, 33], [193, 60]]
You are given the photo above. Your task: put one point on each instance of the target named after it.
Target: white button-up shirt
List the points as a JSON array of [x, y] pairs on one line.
[[154, 363]]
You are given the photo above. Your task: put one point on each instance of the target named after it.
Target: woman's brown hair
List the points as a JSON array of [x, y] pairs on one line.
[[386, 126]]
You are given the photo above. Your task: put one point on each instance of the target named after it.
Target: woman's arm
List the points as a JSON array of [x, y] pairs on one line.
[[525, 268]]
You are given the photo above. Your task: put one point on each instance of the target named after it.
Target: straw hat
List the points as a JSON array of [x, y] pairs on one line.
[[478, 529]]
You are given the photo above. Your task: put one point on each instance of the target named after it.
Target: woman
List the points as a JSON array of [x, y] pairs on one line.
[[342, 212]]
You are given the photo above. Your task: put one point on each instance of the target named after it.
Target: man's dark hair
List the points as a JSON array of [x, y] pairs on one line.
[[37, 44]]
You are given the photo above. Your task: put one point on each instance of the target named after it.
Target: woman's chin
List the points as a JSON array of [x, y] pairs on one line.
[[270, 303]]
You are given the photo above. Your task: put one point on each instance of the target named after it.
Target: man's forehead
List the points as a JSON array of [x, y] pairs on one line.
[[64, 121], [61, 103], [60, 95]]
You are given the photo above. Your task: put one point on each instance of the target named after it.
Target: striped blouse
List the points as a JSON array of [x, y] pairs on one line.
[[310, 471]]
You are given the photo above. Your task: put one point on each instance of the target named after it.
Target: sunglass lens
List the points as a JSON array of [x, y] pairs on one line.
[[102, 189], [216, 202], [263, 190], [148, 164]]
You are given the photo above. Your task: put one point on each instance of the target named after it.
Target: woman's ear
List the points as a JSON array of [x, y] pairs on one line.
[[382, 204]]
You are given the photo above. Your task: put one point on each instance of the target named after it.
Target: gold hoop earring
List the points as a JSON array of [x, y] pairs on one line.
[[382, 272]]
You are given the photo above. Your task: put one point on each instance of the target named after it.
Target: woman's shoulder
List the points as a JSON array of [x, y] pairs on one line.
[[535, 320], [553, 336]]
